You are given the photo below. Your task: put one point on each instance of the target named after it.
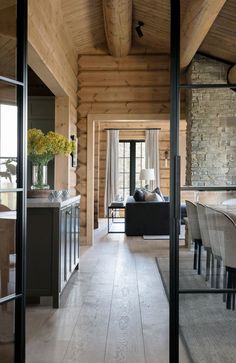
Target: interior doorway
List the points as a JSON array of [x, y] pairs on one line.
[[97, 123]]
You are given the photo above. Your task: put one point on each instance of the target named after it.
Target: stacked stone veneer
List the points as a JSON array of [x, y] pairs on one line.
[[211, 126]]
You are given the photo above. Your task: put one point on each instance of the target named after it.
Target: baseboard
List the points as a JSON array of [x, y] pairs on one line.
[[166, 237]]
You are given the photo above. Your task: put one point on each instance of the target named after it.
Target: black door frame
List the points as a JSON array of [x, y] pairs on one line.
[[21, 87], [175, 88], [174, 184]]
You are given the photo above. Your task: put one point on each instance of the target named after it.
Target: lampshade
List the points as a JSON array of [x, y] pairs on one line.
[[147, 174]]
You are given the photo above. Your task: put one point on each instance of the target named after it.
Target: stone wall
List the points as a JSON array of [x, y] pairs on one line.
[[211, 126]]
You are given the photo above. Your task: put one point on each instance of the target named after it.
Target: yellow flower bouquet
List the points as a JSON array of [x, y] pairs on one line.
[[41, 149]]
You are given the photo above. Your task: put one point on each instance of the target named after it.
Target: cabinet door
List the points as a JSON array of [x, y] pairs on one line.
[[65, 245], [75, 236], [73, 255], [68, 243], [63, 248], [77, 232]]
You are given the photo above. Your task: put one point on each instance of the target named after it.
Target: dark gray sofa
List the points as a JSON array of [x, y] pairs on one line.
[[146, 218]]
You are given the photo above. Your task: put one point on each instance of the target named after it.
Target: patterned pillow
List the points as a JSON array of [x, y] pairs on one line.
[[152, 197], [157, 190], [138, 195]]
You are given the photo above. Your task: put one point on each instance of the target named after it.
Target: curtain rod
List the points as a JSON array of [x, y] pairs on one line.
[[157, 128]]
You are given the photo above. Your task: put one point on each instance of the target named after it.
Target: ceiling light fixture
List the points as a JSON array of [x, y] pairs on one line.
[[138, 28]]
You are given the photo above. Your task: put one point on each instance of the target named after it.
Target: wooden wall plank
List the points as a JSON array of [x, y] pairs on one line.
[[122, 94], [125, 107], [123, 78], [129, 63]]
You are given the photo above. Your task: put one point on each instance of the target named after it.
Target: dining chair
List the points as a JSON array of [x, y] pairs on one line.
[[193, 224], [226, 222], [215, 235], [201, 211]]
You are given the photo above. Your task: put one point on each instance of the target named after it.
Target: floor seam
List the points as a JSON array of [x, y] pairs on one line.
[[108, 324], [141, 319]]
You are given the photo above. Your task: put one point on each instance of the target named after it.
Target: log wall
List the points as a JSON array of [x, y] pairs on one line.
[[136, 84]]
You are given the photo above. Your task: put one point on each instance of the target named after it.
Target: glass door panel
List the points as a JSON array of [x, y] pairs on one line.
[[8, 138], [8, 244], [207, 249], [8, 39], [7, 332]]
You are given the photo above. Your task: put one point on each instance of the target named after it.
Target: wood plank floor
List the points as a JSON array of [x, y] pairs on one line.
[[114, 309]]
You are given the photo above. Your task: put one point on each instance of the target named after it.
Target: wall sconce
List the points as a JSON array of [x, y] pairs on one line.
[[138, 28], [166, 158], [74, 153]]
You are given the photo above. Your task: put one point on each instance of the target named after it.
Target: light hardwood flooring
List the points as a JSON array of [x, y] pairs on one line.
[[114, 309]]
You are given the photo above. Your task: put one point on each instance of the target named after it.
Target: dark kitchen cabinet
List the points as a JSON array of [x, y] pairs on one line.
[[52, 248]]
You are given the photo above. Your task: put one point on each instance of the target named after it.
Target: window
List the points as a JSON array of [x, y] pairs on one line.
[[131, 161], [8, 145]]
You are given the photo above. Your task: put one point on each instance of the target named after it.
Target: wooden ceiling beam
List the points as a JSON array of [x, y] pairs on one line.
[[197, 21], [8, 21], [118, 26], [232, 75]]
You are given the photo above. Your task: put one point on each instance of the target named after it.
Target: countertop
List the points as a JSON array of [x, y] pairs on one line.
[[55, 203]]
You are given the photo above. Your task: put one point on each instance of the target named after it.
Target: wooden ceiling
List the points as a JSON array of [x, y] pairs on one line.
[[86, 27]]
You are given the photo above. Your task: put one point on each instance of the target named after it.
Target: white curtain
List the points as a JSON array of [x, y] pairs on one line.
[[112, 168], [152, 155]]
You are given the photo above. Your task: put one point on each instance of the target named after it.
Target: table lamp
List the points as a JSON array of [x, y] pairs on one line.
[[147, 175]]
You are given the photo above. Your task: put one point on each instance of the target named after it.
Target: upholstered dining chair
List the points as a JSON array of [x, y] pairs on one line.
[[215, 234], [201, 211], [195, 234], [226, 222]]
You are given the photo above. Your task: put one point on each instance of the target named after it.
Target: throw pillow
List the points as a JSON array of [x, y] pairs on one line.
[[157, 190], [152, 197], [138, 195]]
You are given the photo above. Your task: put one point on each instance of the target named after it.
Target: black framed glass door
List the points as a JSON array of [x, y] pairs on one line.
[[131, 161], [202, 275], [13, 17]]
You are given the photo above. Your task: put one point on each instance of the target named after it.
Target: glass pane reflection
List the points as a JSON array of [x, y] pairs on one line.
[[8, 139], [7, 322], [7, 243], [8, 39]]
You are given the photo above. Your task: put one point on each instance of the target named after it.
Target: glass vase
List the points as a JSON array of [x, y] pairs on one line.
[[39, 176]]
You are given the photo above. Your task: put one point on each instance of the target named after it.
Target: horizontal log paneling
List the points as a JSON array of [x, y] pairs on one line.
[[125, 107], [124, 94], [124, 78], [132, 62]]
